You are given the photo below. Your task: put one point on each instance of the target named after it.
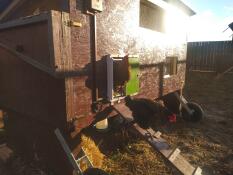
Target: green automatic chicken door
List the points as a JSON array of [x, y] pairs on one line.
[[132, 86]]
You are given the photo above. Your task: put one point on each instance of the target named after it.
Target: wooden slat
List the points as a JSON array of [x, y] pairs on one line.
[[174, 155], [226, 71], [42, 67], [154, 134], [60, 42], [66, 57], [24, 21], [206, 56], [28, 60], [184, 166], [198, 171]]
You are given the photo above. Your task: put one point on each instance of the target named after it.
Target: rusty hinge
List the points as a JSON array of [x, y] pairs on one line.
[[73, 23]]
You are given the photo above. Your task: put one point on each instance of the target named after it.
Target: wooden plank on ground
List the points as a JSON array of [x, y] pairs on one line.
[[174, 155], [159, 144]]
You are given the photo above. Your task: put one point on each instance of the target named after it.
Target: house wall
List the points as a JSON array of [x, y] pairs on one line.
[[118, 32]]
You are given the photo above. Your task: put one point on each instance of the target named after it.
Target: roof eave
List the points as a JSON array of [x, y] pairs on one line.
[[182, 6]]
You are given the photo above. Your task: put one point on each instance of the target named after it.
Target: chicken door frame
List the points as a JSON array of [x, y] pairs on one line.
[[110, 77]]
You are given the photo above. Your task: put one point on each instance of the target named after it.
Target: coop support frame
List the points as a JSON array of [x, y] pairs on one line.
[[183, 103]]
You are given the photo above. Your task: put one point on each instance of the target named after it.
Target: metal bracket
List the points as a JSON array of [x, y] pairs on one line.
[[90, 13], [73, 23]]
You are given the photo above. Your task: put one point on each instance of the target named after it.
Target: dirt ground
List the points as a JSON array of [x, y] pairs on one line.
[[208, 144]]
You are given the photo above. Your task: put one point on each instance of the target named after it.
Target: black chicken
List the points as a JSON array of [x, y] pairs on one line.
[[145, 112]]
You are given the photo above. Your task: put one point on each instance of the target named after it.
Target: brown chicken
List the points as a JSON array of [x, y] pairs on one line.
[[146, 111]]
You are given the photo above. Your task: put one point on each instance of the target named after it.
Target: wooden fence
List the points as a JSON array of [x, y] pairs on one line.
[[214, 56]]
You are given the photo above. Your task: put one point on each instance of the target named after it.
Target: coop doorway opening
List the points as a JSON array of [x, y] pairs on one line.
[[122, 76]]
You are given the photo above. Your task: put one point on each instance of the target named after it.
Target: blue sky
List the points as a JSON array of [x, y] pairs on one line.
[[213, 16], [222, 8]]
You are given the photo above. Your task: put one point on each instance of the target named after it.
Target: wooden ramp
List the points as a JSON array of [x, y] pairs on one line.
[[159, 144]]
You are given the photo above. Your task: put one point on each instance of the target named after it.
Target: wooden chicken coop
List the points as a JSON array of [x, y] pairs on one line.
[[63, 63]]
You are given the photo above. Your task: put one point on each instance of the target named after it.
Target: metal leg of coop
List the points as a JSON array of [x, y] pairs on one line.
[[190, 111], [74, 162], [183, 103]]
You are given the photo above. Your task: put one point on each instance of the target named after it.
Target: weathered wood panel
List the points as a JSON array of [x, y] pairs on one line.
[[31, 40], [35, 104], [44, 39], [31, 92], [215, 56]]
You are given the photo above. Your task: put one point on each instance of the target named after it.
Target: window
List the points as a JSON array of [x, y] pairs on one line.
[[151, 16], [170, 66]]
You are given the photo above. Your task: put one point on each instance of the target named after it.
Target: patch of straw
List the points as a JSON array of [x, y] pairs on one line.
[[92, 151]]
